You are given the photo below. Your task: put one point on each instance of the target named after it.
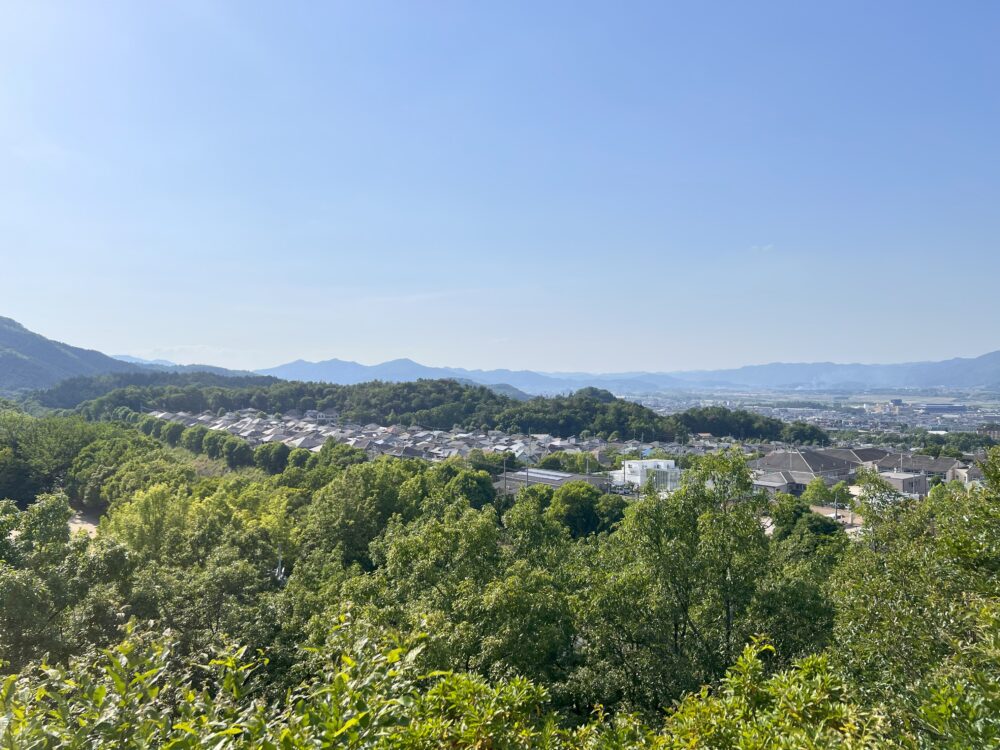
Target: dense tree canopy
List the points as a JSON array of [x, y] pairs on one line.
[[72, 392], [744, 425]]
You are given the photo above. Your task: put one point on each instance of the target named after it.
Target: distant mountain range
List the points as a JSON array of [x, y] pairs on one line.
[[168, 366], [164, 365], [961, 372], [528, 381], [30, 361], [141, 361], [977, 372]]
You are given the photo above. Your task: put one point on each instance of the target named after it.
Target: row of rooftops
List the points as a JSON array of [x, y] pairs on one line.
[[833, 461], [791, 470], [313, 429]]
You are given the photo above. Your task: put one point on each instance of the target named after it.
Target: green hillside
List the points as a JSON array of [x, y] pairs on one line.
[[29, 361]]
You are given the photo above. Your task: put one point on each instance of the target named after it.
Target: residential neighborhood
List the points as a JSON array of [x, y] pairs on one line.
[[776, 468], [312, 429], [791, 470]]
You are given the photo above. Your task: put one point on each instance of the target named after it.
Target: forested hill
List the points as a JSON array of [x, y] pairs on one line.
[[29, 360], [746, 425], [70, 393], [434, 404]]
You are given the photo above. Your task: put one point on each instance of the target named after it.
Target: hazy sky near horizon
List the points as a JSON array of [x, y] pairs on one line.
[[545, 185]]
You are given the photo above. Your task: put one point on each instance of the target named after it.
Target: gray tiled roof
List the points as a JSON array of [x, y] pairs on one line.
[[918, 463], [803, 461]]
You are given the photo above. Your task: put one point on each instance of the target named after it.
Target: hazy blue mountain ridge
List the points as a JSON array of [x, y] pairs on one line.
[[983, 371], [961, 372], [31, 361]]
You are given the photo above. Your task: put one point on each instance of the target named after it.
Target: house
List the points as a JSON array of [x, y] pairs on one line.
[[309, 442], [914, 485], [970, 476], [320, 417], [917, 463], [804, 461], [787, 482], [791, 471], [857, 456]]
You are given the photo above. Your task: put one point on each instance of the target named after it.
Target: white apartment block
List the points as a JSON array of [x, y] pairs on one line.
[[664, 474]]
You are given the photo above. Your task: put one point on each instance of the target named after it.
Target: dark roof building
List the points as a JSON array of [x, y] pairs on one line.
[[806, 461], [917, 463], [789, 482], [909, 484], [511, 481], [857, 456], [792, 470]]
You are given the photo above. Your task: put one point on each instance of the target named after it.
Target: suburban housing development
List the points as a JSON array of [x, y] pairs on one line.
[[776, 468]]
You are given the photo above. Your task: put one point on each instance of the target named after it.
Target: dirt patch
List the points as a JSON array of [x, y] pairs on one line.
[[84, 520]]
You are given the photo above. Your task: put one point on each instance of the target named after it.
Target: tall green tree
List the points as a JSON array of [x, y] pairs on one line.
[[575, 506]]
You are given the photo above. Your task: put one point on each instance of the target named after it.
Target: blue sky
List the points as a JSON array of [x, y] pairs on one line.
[[546, 185]]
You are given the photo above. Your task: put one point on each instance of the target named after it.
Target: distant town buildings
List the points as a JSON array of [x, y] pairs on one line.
[[841, 413], [990, 431]]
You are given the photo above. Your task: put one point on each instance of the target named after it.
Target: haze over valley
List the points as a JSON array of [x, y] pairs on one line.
[[28, 360]]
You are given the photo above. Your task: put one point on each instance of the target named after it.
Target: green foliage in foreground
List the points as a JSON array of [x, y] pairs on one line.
[[365, 689]]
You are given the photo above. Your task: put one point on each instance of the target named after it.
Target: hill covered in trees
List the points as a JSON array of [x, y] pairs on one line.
[[71, 392], [28, 360], [332, 600], [746, 425]]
